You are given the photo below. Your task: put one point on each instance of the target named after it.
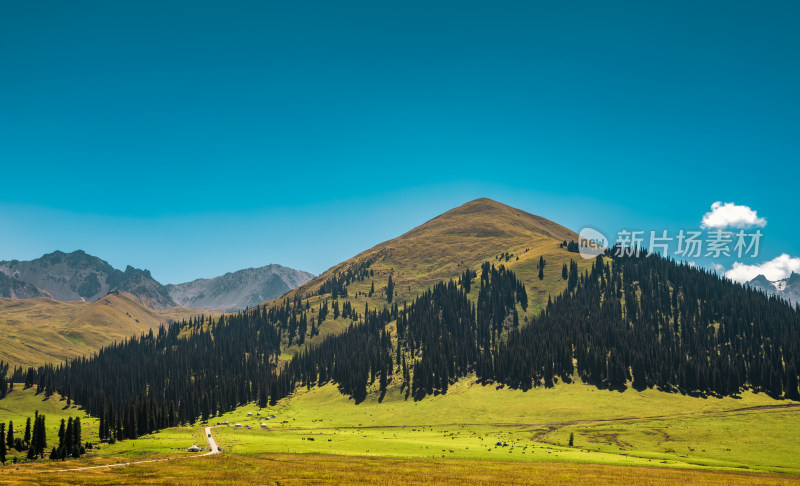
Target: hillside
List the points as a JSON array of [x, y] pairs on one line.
[[461, 238], [78, 275], [38, 331], [443, 248], [238, 290]]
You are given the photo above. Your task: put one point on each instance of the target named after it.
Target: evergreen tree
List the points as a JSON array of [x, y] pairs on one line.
[[10, 436], [390, 290], [61, 432], [541, 267], [38, 437], [27, 437], [466, 280]]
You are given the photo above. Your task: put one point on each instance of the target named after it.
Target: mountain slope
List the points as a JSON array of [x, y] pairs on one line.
[[42, 330], [78, 275], [440, 249], [12, 288], [461, 238], [238, 290]]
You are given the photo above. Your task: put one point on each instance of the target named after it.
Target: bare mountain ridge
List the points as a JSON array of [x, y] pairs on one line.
[[238, 290], [12, 288], [787, 288], [80, 276]]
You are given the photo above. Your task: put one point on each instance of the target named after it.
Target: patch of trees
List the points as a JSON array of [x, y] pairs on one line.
[[34, 441], [571, 246], [177, 375], [632, 321], [69, 440], [441, 336], [337, 284]]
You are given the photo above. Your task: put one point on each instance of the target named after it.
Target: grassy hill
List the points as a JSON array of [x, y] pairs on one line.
[[442, 248], [38, 331]]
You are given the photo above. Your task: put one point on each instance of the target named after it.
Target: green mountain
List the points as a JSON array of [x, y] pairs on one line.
[[618, 323]]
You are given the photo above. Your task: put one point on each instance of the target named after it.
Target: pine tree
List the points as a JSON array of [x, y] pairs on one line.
[[39, 436], [10, 436], [466, 280], [390, 290], [571, 439], [27, 437], [61, 432]]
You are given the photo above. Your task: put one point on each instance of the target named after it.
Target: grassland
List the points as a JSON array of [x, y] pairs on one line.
[[322, 436], [38, 331], [630, 428], [293, 469], [21, 404]]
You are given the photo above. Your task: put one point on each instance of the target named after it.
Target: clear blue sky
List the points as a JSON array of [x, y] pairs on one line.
[[194, 138]]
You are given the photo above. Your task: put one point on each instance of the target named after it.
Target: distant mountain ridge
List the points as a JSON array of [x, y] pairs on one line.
[[238, 290], [78, 275], [787, 288], [12, 288]]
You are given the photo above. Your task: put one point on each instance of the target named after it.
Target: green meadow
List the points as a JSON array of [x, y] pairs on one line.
[[662, 430], [752, 432]]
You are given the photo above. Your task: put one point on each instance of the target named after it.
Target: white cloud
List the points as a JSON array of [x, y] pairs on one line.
[[725, 215], [776, 269], [718, 268]]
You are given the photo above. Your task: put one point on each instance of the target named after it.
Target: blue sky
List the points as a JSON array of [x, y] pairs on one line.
[[194, 138]]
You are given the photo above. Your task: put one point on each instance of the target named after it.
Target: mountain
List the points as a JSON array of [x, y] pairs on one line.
[[468, 303], [238, 290], [443, 248], [35, 331], [787, 288], [77, 275], [17, 289]]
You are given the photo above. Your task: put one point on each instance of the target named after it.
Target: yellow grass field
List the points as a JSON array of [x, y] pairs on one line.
[[38, 331]]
